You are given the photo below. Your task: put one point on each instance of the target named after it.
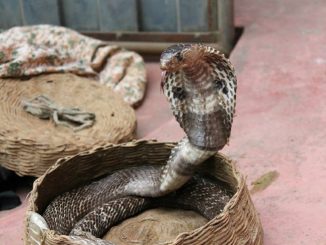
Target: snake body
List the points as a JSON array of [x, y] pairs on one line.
[[95, 207], [200, 85]]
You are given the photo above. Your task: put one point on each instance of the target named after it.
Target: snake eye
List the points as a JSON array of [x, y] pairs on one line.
[[179, 56]]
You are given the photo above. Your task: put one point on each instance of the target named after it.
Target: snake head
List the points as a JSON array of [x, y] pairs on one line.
[[200, 84], [179, 56]]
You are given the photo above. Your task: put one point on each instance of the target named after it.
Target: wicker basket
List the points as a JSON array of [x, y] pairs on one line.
[[29, 145], [238, 224]]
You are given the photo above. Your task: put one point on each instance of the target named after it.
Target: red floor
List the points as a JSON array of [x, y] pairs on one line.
[[281, 65]]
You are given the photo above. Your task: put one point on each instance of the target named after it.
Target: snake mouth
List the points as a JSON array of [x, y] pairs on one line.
[[163, 65], [162, 79]]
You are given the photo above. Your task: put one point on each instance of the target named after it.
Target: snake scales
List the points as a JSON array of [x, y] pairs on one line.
[[200, 85]]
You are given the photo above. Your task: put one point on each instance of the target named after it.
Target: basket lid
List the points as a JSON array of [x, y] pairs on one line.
[[29, 145]]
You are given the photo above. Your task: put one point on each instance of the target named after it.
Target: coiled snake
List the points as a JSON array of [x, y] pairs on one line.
[[200, 85]]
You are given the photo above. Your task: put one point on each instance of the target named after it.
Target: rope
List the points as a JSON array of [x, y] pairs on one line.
[[44, 108]]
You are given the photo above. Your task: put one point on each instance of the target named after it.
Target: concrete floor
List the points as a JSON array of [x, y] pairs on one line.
[[281, 66]]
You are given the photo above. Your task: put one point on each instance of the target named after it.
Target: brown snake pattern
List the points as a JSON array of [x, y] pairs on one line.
[[200, 84]]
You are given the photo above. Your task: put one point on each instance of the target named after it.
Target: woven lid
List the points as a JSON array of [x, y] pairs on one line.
[[238, 224], [29, 145], [155, 226]]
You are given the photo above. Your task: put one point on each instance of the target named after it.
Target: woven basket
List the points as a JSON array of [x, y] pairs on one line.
[[238, 224], [29, 145]]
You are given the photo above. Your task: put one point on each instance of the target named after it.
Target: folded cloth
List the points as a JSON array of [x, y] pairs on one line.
[[32, 50]]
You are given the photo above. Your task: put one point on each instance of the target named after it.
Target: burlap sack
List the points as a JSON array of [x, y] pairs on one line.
[[238, 224], [29, 145]]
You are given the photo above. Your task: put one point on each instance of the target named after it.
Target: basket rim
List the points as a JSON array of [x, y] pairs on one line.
[[240, 184]]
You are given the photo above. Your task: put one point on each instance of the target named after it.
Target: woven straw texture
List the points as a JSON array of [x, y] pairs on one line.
[[29, 145], [238, 224]]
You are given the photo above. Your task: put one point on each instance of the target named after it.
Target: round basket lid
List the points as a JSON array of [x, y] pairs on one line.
[[155, 226], [29, 145]]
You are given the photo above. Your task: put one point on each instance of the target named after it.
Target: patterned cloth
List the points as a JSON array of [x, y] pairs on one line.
[[33, 50]]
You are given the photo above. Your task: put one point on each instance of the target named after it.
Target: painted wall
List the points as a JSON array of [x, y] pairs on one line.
[[113, 15]]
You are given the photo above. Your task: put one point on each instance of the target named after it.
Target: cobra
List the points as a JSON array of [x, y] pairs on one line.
[[200, 85]]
